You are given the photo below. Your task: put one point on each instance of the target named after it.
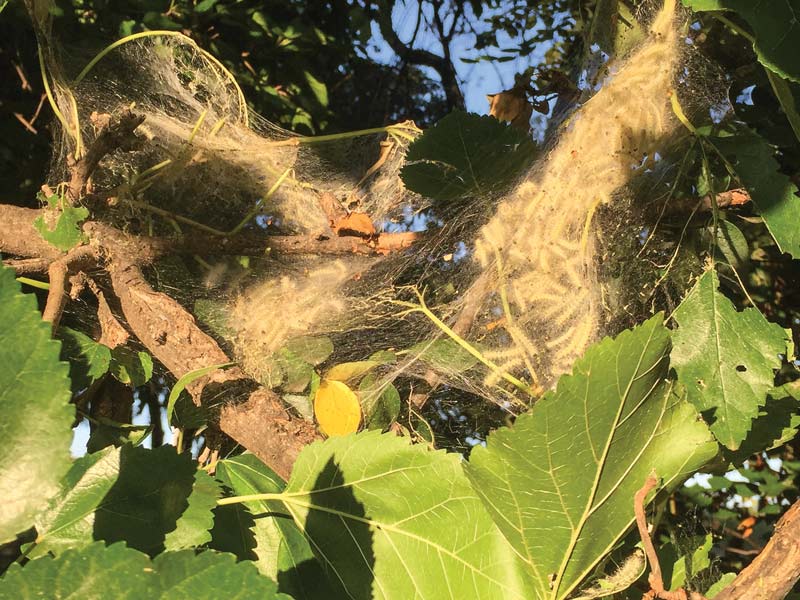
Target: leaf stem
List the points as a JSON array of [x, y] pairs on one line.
[[249, 498]]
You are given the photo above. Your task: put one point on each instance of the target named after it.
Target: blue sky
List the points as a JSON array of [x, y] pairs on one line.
[[478, 79]]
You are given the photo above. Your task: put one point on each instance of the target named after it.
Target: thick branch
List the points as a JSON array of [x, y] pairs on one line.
[[774, 572], [18, 236], [259, 421]]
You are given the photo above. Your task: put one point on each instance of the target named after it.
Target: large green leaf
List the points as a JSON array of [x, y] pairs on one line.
[[266, 533], [726, 359], [391, 520], [560, 483], [776, 26], [99, 572], [193, 528], [466, 155], [36, 422], [772, 192], [110, 494]]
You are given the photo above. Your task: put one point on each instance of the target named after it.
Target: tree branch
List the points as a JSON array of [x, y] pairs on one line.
[[115, 133], [774, 572], [77, 259], [441, 64]]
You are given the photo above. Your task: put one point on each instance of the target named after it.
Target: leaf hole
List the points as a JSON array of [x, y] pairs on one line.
[[741, 368]]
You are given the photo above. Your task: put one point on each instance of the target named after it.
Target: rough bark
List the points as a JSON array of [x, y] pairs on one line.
[[774, 572]]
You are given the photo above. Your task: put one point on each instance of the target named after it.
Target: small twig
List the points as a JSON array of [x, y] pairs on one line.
[[115, 134], [655, 578], [26, 87], [25, 123]]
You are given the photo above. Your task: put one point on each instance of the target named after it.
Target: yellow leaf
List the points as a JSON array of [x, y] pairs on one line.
[[337, 408]]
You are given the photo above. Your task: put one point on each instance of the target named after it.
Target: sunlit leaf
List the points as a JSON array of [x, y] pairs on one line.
[[350, 370], [131, 367], [35, 427], [560, 483], [65, 233], [726, 359], [108, 495], [97, 572], [386, 518], [88, 360], [336, 408], [267, 534]]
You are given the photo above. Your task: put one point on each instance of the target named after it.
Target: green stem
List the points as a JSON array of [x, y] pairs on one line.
[[734, 27], [49, 93], [678, 110], [34, 283], [423, 308], [395, 130], [166, 33], [169, 215], [249, 498], [260, 203]]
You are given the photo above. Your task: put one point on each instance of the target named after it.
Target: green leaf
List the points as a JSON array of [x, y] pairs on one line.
[[204, 6], [380, 402], [679, 565], [88, 360], [66, 233], [776, 26], [97, 572], [187, 379], [444, 355], [269, 535], [69, 520], [772, 192], [318, 88], [297, 371], [560, 482], [194, 525], [387, 520], [109, 495], [721, 584], [350, 370], [776, 424], [466, 155], [725, 359], [313, 350], [36, 422], [131, 367], [731, 246]]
